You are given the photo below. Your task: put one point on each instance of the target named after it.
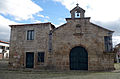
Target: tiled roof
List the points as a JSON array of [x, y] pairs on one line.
[[30, 24], [4, 42], [33, 24]]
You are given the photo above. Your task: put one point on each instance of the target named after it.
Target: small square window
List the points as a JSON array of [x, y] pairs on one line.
[[78, 26], [3, 47], [30, 35], [40, 56], [7, 48]]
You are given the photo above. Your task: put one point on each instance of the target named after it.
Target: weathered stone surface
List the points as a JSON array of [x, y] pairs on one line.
[[92, 40], [76, 32], [19, 44]]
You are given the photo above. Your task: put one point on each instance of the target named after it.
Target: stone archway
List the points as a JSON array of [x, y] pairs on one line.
[[78, 58]]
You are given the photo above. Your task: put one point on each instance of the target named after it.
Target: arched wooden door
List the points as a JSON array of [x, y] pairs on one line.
[[78, 58]]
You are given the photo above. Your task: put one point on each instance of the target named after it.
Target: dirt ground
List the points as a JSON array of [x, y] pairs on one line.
[[6, 73], [3, 64], [21, 74]]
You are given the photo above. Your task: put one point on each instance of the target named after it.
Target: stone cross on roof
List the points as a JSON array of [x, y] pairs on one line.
[[77, 4], [77, 10]]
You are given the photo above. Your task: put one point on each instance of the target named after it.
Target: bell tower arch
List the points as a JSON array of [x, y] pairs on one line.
[[77, 12]]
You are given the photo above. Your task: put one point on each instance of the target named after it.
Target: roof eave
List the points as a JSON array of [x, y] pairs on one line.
[[30, 24], [103, 28]]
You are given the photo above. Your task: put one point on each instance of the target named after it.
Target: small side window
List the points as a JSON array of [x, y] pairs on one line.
[[108, 43], [3, 47], [40, 56]]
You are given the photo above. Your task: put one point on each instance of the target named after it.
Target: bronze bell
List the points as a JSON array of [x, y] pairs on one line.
[[77, 14]]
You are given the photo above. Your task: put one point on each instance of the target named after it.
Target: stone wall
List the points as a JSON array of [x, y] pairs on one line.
[[76, 32], [91, 37], [19, 44]]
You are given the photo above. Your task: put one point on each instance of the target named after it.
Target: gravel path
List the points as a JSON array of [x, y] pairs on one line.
[[18, 74], [3, 64], [37, 74]]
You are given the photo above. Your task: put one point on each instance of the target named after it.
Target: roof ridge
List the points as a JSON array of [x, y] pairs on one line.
[[30, 24]]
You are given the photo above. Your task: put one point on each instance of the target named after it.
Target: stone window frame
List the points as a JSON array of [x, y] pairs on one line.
[[30, 34], [7, 48], [41, 57], [108, 43], [2, 47], [77, 14]]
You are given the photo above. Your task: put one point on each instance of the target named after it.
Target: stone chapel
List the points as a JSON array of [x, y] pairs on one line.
[[76, 45]]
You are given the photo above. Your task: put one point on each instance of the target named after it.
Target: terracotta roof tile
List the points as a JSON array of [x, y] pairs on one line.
[[4, 42]]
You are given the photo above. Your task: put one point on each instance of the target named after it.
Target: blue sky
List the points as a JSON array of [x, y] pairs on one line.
[[51, 11], [102, 12]]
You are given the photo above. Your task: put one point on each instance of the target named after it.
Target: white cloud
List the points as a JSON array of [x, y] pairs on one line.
[[4, 27], [40, 15], [37, 21], [116, 40], [57, 25], [113, 25], [47, 17], [5, 22], [61, 19], [19, 9], [100, 10], [45, 20]]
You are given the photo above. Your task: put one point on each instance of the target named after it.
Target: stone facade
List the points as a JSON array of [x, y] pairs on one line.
[[57, 43], [92, 39], [19, 44]]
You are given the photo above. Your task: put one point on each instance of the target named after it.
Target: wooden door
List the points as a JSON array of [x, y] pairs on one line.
[[78, 59], [29, 60]]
